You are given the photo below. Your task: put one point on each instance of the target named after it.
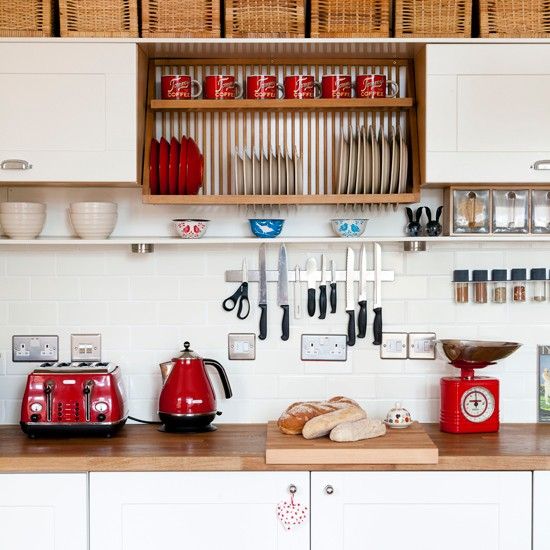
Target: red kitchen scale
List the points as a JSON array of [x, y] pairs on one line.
[[470, 403]]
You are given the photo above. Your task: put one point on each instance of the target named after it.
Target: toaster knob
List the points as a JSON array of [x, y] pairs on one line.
[[35, 417], [101, 417]]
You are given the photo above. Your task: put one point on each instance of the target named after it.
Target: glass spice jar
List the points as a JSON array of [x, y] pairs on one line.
[[499, 277], [519, 283], [461, 282], [479, 279], [538, 284]]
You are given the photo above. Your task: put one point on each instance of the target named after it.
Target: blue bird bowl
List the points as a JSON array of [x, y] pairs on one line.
[[266, 229], [349, 227]]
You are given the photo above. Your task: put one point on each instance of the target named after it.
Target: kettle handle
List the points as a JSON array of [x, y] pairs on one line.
[[223, 376]]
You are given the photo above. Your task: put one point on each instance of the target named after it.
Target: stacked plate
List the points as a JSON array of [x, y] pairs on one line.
[[371, 163], [22, 220], [269, 173], [175, 168], [93, 220]]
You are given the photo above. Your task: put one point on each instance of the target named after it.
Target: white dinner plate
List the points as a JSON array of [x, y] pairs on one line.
[[350, 187], [360, 171], [375, 156], [395, 153], [342, 164], [403, 163], [385, 162], [367, 162]]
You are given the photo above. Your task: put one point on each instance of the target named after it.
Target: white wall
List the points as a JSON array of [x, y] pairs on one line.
[[145, 306]]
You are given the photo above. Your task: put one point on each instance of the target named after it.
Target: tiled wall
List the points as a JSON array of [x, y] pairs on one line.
[[145, 306]]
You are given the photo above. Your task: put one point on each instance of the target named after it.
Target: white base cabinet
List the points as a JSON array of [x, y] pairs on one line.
[[421, 510], [211, 510], [46, 511], [541, 510]]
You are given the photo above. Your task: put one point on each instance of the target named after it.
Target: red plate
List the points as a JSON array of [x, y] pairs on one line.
[[154, 167], [182, 180], [195, 168], [174, 166], [164, 160]]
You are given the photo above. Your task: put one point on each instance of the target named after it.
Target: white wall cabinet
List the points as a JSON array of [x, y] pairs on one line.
[[69, 110], [487, 116], [46, 511], [229, 510], [421, 510]]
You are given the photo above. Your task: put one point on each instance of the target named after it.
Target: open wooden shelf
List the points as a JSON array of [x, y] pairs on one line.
[[235, 105]]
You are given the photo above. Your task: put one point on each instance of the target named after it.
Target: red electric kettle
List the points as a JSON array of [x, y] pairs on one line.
[[187, 401]]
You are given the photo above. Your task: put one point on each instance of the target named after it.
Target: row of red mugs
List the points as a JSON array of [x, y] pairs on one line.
[[337, 86]]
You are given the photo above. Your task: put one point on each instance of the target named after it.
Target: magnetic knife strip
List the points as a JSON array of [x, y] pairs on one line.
[[272, 276]]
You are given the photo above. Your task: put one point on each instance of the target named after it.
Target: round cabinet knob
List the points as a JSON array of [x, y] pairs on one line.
[[329, 489], [292, 489]]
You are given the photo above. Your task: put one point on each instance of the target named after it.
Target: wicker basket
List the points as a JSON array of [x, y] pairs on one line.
[[433, 18], [265, 18], [100, 18], [350, 18], [180, 18], [514, 18], [26, 17]]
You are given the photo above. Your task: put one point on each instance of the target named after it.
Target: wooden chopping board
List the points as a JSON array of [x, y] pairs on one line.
[[399, 446]]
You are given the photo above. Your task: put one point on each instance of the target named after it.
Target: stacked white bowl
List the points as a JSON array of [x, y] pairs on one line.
[[93, 220], [22, 220]]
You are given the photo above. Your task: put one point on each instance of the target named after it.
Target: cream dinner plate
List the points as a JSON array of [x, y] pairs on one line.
[[403, 163], [350, 187], [367, 162], [395, 153], [375, 155], [359, 173]]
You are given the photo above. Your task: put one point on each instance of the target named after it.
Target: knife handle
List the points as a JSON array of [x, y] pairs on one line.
[[351, 328], [285, 324], [263, 322], [362, 319], [311, 301], [377, 326], [333, 297], [323, 301]]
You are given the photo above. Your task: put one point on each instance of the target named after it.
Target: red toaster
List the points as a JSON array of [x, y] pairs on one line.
[[74, 399]]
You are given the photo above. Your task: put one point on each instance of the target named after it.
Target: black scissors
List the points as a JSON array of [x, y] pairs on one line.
[[240, 297]]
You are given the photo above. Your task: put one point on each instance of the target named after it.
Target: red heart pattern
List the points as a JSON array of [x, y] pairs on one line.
[[291, 514]]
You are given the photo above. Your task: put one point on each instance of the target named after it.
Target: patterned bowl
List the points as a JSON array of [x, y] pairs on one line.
[[349, 227], [398, 417], [190, 229], [266, 229]]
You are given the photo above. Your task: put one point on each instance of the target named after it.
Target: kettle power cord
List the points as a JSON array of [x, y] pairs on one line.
[[143, 421]]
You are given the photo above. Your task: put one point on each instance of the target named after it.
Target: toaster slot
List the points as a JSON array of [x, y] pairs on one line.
[[48, 390], [88, 398]]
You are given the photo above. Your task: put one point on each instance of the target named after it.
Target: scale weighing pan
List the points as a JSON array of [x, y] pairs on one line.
[[475, 354]]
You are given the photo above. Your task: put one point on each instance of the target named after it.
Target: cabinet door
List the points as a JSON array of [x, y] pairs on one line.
[[229, 510], [487, 115], [69, 110], [541, 510], [421, 510], [46, 511]]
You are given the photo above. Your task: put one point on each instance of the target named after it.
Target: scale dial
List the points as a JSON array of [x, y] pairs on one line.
[[477, 404]]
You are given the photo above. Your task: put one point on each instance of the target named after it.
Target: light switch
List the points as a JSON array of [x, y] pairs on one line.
[[241, 347], [394, 345], [422, 345]]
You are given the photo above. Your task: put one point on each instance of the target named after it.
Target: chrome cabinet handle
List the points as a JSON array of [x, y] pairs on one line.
[[541, 165], [329, 489], [292, 489], [15, 164]]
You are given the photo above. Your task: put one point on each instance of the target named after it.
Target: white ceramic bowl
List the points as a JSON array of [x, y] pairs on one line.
[[349, 227], [97, 207], [23, 207], [22, 226], [190, 229], [93, 227]]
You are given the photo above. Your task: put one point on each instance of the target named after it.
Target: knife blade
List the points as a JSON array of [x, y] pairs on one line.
[[323, 288], [311, 274], [350, 299], [362, 317], [377, 306], [297, 294], [262, 295], [332, 287], [282, 292]]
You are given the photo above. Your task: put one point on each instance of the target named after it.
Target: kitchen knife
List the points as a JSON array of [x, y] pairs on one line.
[[282, 291], [262, 296], [297, 294], [362, 317], [311, 274], [323, 289], [350, 300], [332, 287], [377, 307]]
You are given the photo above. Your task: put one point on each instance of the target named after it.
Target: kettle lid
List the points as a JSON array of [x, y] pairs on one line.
[[187, 353]]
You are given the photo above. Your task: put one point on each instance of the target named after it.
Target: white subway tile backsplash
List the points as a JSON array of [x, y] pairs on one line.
[[80, 313], [15, 288], [154, 288], [37, 313], [400, 387], [302, 387], [95, 288], [133, 313], [360, 387], [182, 313], [55, 288], [429, 263]]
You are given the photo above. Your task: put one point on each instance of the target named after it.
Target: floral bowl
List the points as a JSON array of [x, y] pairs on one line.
[[349, 227], [190, 229], [266, 228]]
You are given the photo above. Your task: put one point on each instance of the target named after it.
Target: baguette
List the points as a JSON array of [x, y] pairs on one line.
[[358, 430], [296, 415], [323, 424]]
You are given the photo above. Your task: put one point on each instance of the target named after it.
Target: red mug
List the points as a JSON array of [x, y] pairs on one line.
[[222, 87], [301, 87], [375, 85], [179, 86], [336, 86], [262, 87]]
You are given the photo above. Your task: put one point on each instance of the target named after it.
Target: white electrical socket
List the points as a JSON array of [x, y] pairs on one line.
[[422, 345], [85, 347], [241, 346], [394, 345], [324, 347], [33, 349]]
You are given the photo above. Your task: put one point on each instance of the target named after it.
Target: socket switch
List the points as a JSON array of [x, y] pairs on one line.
[[85, 347], [394, 345], [33, 349], [422, 345], [324, 347], [241, 347]]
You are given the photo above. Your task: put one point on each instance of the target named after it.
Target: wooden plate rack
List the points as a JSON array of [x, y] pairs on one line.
[[312, 126]]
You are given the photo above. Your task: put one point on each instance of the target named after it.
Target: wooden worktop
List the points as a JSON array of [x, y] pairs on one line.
[[242, 447]]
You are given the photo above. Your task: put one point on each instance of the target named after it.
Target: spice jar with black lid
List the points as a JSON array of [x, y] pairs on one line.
[[518, 277], [538, 284], [479, 280], [499, 278], [461, 282]]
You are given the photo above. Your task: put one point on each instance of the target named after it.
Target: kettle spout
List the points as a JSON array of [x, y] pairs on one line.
[[165, 370]]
